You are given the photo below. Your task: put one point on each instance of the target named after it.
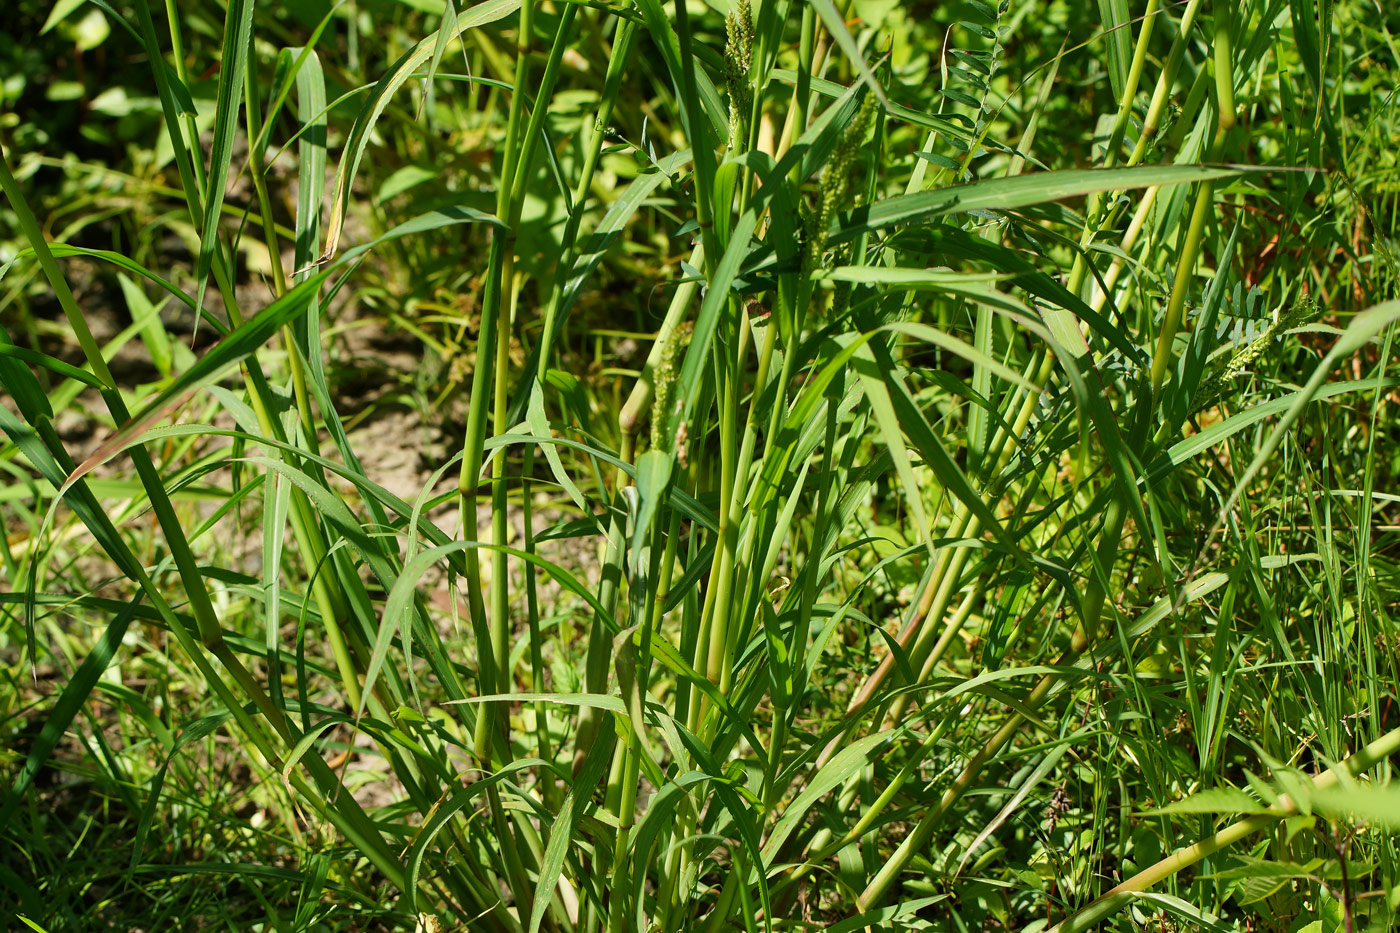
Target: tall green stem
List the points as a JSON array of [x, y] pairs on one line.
[[1186, 261]]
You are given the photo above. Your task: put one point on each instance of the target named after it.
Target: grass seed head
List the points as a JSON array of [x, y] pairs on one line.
[[834, 193], [664, 382], [738, 57]]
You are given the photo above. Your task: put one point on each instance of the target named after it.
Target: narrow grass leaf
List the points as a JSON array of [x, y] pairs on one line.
[[561, 833], [1006, 194], [442, 812], [836, 26], [851, 759], [479, 15], [238, 40], [70, 701]]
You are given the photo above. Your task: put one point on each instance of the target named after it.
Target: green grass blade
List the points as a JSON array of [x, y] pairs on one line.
[[238, 39], [1006, 194]]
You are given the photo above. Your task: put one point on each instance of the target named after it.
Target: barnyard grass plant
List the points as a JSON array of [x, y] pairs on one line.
[[987, 528]]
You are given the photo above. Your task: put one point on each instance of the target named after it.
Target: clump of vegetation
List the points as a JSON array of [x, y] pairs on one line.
[[737, 466]]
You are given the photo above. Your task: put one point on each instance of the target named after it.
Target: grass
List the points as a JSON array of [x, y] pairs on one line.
[[869, 467]]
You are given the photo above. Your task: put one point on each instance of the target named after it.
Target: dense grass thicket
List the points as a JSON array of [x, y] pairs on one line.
[[740, 465]]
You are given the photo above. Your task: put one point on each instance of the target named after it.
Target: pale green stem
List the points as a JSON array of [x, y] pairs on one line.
[[1162, 93], [1094, 213], [1118, 897], [1186, 262], [718, 666]]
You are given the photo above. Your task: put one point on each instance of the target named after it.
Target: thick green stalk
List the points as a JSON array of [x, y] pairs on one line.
[[717, 642], [649, 606], [711, 649], [1162, 93], [810, 57], [1186, 261], [543, 746], [802, 90], [499, 730], [500, 568], [562, 39], [1094, 213], [740, 491], [598, 650], [546, 343], [483, 382], [1125, 103], [1152, 121], [489, 377], [1181, 285]]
